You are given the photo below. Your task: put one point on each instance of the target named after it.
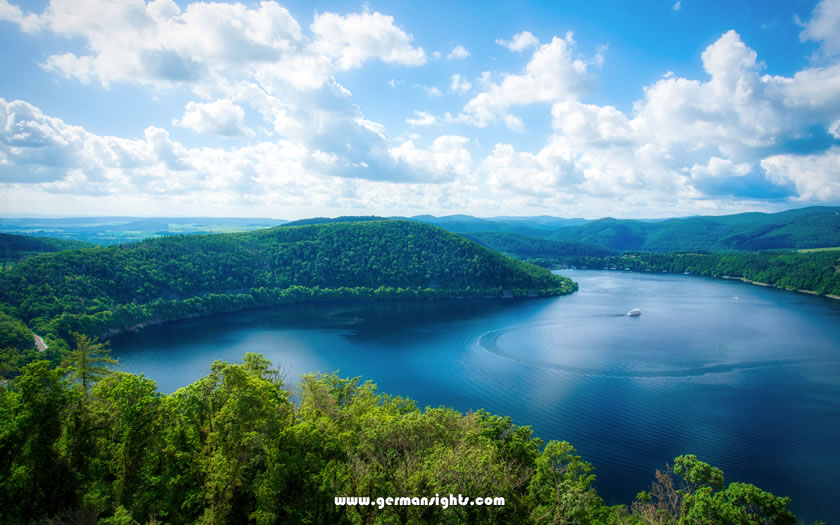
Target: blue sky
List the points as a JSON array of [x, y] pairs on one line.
[[643, 109]]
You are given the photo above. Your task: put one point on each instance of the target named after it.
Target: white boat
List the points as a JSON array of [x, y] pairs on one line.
[[634, 312]]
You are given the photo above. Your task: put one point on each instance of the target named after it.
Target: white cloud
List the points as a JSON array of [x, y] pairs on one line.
[[824, 27], [159, 44], [686, 142], [356, 38], [677, 5], [46, 155], [554, 168], [423, 119], [459, 52], [718, 167], [221, 117], [591, 125], [816, 176], [553, 74], [834, 129], [445, 158], [520, 42], [459, 85]]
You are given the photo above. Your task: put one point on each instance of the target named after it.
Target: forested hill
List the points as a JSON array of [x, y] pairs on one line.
[[815, 227], [107, 289], [544, 252], [14, 248]]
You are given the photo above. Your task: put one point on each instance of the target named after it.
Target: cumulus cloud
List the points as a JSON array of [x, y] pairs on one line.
[[544, 173], [459, 85], [160, 44], [423, 119], [689, 141], [356, 38], [553, 74], [688, 145], [824, 27], [447, 156], [520, 42], [458, 52], [221, 117], [816, 176], [834, 129], [52, 156]]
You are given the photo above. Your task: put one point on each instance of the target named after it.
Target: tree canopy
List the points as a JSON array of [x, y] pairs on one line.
[[238, 447]]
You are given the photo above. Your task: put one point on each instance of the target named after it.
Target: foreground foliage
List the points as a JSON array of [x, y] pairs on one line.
[[235, 447]]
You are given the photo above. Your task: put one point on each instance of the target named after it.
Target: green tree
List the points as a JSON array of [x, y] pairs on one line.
[[562, 490], [700, 497], [89, 361]]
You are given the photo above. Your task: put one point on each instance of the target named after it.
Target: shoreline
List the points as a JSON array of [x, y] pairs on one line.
[[727, 277], [507, 295]]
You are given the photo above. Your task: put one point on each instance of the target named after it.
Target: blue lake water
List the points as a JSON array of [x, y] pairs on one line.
[[746, 377]]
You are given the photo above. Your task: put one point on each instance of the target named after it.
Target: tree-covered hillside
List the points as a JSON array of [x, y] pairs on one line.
[[814, 227], [102, 290], [14, 248], [817, 271], [543, 252]]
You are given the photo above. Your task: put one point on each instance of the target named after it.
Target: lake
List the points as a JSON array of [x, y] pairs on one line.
[[745, 377]]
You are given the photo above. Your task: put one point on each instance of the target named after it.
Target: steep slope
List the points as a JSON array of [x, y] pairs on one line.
[[102, 290]]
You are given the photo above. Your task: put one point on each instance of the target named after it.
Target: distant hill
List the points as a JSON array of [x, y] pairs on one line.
[[466, 224], [538, 251], [326, 220], [101, 290], [14, 248], [814, 227]]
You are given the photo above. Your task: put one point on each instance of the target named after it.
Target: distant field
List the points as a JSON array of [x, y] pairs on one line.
[[122, 230], [833, 249]]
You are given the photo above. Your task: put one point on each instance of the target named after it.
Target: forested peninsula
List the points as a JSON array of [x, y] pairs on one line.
[[105, 290]]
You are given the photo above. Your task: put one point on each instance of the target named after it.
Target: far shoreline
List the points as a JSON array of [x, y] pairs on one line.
[[812, 293]]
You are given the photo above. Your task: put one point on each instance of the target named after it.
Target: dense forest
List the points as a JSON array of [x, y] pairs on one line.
[[543, 252], [103, 290], [816, 271], [14, 248], [83, 445], [812, 227], [815, 227]]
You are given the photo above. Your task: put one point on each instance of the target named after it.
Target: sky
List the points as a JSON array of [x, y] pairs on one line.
[[299, 109]]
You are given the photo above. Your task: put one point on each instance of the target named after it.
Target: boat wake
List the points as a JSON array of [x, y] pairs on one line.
[[489, 342]]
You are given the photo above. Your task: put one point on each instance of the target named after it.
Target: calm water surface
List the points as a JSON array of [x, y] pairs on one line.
[[746, 377]]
